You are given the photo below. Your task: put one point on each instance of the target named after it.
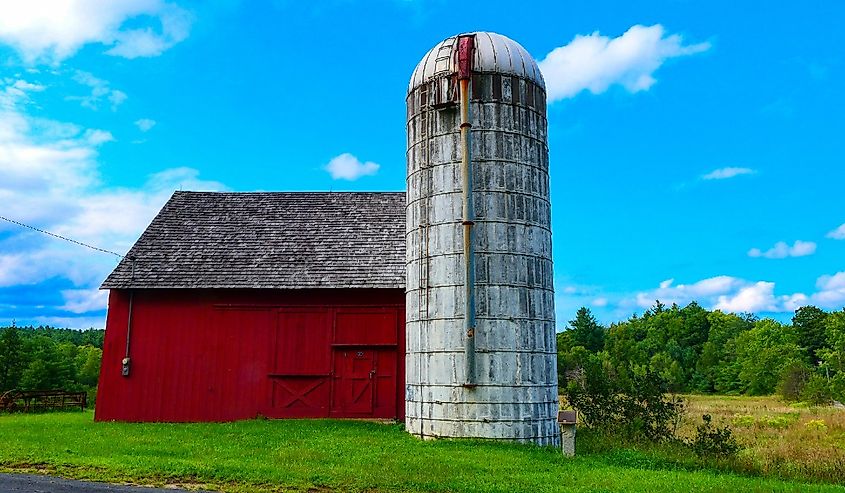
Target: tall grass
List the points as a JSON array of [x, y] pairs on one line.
[[779, 439]]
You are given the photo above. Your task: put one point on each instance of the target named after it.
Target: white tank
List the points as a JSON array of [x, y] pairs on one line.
[[509, 392]]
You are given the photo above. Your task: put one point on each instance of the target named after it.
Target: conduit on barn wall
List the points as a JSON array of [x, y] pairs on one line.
[[124, 370], [465, 54]]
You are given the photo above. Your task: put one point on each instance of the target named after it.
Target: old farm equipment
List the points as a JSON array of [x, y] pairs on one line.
[[28, 401]]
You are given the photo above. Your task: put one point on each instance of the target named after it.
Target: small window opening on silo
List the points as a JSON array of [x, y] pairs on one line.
[[529, 94], [497, 87]]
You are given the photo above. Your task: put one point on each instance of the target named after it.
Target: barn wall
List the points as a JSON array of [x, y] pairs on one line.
[[221, 355]]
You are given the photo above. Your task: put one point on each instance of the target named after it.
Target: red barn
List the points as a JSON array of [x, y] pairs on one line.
[[237, 305]]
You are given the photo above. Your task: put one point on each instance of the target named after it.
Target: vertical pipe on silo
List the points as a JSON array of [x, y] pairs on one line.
[[465, 49]]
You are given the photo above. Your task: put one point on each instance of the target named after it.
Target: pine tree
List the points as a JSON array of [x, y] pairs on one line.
[[586, 331]]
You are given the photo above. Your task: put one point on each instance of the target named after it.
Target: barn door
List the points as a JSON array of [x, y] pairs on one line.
[[301, 383], [354, 381]]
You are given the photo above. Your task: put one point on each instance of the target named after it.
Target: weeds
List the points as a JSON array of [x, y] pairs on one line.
[[713, 441], [816, 424]]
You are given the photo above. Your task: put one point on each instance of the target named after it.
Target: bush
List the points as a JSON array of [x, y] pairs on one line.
[[634, 405], [817, 391], [793, 380], [712, 441]]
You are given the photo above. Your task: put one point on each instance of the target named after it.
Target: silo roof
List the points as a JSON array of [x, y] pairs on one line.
[[493, 53]]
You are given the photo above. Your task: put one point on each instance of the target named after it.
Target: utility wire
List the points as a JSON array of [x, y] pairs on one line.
[[54, 235]]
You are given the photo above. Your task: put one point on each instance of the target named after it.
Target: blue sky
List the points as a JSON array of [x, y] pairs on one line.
[[696, 147]]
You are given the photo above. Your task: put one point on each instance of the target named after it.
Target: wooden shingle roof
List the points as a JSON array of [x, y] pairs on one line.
[[278, 240]]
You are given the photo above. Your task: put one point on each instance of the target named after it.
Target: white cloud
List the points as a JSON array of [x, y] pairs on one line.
[[758, 297], [783, 250], [15, 91], [831, 291], [116, 98], [23, 85], [838, 233], [733, 294], [134, 43], [595, 62], [835, 282], [53, 30], [100, 90], [145, 124], [96, 137], [725, 173], [682, 294], [84, 300], [49, 178], [348, 167], [600, 302], [78, 322]]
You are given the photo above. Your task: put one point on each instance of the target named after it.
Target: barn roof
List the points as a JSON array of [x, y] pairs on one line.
[[279, 240]]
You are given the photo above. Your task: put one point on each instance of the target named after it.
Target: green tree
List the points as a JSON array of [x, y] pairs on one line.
[[716, 369], [51, 365], [764, 353], [810, 327], [833, 354], [586, 331], [11, 359], [88, 365]]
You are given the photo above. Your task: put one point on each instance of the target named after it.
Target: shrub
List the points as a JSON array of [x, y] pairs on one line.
[[712, 441], [632, 404], [793, 380], [837, 386], [817, 391]]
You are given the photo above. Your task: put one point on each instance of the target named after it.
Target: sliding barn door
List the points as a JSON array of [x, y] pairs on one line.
[[303, 364]]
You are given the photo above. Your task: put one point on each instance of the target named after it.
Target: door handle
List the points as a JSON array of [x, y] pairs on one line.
[[372, 372]]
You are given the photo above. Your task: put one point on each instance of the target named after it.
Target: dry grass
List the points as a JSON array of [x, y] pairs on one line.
[[779, 439]]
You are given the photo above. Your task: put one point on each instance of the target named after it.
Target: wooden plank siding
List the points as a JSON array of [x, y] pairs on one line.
[[229, 354]]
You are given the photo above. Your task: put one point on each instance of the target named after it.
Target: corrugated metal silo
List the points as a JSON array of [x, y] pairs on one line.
[[481, 353]]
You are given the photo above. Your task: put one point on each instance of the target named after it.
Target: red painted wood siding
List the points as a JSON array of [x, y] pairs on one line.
[[221, 355]]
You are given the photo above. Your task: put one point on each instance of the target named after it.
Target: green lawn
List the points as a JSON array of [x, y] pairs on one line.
[[329, 455]]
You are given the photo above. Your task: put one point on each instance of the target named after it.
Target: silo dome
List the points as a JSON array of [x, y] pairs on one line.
[[481, 356], [494, 53]]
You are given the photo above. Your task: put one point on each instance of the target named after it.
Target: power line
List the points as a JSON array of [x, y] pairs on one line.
[[54, 235]]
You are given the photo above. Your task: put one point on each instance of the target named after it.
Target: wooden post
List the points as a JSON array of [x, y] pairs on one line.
[[567, 421]]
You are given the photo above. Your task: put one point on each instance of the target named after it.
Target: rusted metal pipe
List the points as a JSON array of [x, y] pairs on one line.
[[465, 49]]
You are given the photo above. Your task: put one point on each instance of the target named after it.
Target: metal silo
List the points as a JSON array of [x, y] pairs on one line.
[[481, 352]]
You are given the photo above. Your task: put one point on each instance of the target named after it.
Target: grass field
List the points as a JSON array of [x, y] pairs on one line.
[[779, 438], [335, 456]]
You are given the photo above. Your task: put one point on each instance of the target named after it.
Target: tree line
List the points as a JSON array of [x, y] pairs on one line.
[[47, 358], [694, 350], [690, 349]]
